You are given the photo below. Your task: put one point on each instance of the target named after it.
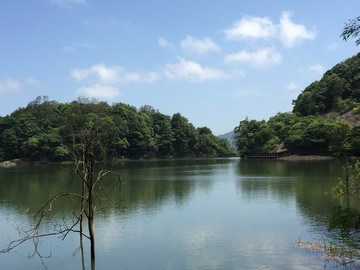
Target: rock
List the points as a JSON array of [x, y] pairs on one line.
[[8, 164]]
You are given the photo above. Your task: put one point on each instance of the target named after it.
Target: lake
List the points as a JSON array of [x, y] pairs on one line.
[[224, 213]]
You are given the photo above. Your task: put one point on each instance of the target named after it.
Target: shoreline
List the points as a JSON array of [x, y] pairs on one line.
[[305, 157]]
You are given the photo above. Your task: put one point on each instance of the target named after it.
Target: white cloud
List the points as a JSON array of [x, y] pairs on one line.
[[251, 27], [106, 74], [111, 74], [164, 43], [99, 91], [259, 58], [293, 86], [80, 74], [286, 30], [200, 46], [69, 3], [292, 33], [9, 85], [151, 77], [317, 68], [190, 70]]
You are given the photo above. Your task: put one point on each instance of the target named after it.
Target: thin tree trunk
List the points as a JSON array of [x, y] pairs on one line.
[[82, 252], [91, 209], [81, 223], [82, 207], [91, 227]]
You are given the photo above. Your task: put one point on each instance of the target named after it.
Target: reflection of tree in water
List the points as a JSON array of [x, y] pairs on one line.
[[345, 221], [150, 184], [306, 182], [281, 188], [303, 181], [146, 184]]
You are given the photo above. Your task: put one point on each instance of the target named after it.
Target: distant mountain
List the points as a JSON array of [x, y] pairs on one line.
[[228, 136]]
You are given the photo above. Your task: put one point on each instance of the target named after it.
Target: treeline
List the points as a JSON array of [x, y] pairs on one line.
[[48, 130], [324, 121]]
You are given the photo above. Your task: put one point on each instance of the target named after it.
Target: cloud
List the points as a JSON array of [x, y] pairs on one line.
[[251, 28], [101, 72], [164, 43], [151, 77], [286, 30], [292, 33], [69, 3], [194, 45], [317, 68], [99, 91], [192, 71], [259, 58], [9, 85], [111, 74], [293, 86]]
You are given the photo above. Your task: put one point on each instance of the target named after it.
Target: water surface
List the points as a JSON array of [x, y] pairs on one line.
[[180, 214]]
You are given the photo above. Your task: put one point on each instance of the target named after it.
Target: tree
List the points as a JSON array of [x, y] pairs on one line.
[[90, 143], [185, 135], [207, 144], [352, 29], [163, 135], [254, 137], [345, 220]]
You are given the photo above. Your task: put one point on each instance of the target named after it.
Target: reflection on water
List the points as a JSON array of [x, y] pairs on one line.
[[182, 214]]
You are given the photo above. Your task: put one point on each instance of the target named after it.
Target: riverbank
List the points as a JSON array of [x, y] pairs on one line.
[[306, 157]]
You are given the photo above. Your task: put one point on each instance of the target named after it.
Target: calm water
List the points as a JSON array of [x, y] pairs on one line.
[[180, 214]]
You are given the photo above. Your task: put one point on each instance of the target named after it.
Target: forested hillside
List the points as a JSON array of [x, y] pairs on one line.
[[324, 121], [48, 130]]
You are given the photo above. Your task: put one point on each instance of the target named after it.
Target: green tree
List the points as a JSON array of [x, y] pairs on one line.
[[10, 144], [163, 134], [185, 136], [353, 141], [140, 137], [352, 29], [281, 124], [207, 143], [254, 137]]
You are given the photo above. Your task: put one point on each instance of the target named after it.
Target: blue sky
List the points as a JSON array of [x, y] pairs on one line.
[[215, 62]]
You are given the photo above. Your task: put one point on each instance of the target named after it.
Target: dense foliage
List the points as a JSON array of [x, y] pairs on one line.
[[324, 121], [48, 130], [337, 91]]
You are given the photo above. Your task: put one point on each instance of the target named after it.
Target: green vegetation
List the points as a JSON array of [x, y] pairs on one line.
[[352, 29], [45, 130], [324, 120]]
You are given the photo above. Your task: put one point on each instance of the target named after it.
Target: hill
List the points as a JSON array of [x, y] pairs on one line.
[[337, 91], [48, 130], [325, 119], [229, 136]]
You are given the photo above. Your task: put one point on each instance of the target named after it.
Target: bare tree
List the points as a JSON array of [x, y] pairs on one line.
[[89, 145]]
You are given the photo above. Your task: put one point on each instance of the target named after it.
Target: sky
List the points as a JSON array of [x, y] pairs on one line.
[[214, 62]]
